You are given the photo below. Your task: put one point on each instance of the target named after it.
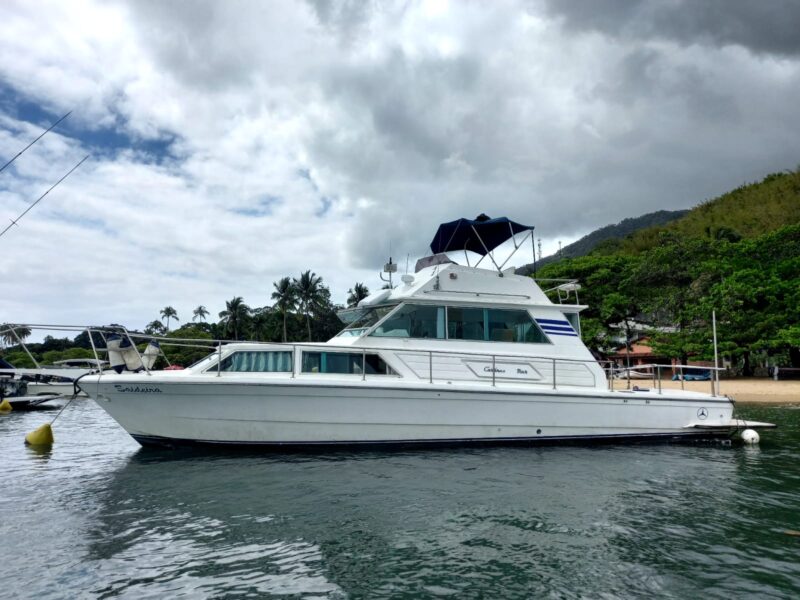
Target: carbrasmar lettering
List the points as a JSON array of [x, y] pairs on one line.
[[137, 389]]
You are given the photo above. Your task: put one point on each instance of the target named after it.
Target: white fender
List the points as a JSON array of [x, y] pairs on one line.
[[115, 359], [151, 353], [130, 355]]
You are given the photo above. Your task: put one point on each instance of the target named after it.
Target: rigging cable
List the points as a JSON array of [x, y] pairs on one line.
[[21, 152], [14, 221]]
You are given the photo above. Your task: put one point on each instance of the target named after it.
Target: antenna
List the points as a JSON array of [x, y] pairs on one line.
[[389, 268], [540, 248]]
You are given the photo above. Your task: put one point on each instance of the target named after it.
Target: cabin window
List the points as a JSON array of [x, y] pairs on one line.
[[574, 320], [466, 323], [414, 321], [345, 363], [513, 326], [492, 325], [256, 362]]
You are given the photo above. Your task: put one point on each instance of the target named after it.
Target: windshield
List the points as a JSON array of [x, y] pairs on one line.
[[365, 321]]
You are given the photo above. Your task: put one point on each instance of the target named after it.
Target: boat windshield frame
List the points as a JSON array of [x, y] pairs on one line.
[[366, 321]]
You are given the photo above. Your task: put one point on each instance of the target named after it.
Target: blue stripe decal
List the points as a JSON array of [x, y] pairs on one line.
[[566, 334], [553, 321], [557, 328]]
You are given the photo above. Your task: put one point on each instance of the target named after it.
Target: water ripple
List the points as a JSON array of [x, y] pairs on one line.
[[99, 517]]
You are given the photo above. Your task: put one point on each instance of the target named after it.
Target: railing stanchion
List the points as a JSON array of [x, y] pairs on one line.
[[611, 375], [294, 359], [219, 358], [494, 370], [96, 355], [713, 390], [430, 366], [24, 347], [363, 365], [554, 373], [683, 381], [659, 379]]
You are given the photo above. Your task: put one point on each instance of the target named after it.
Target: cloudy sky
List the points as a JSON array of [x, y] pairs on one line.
[[232, 143]]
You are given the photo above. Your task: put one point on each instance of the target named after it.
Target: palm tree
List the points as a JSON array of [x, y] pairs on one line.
[[356, 294], [309, 295], [200, 313], [8, 337], [155, 328], [285, 296], [235, 315], [169, 313]]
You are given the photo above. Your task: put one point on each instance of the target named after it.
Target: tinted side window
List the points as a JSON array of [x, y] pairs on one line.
[[465, 323], [574, 320], [513, 326], [257, 362], [345, 362]]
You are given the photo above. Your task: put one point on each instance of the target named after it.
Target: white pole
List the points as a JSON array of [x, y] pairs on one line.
[[716, 361]]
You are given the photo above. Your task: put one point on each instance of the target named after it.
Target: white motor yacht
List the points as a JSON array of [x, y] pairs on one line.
[[454, 355]]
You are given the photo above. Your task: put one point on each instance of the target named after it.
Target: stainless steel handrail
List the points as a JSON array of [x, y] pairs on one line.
[[215, 345]]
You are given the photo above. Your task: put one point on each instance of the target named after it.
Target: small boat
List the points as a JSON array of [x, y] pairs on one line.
[[15, 390], [58, 378], [20, 403], [454, 355]]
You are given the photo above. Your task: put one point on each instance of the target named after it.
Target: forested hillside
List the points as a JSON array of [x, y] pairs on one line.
[[748, 211], [738, 255], [619, 231]]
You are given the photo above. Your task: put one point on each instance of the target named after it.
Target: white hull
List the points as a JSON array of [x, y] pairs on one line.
[[62, 389], [299, 412]]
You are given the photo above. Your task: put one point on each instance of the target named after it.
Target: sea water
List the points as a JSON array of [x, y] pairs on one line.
[[100, 517]]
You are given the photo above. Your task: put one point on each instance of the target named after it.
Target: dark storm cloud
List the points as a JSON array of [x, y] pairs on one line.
[[769, 27]]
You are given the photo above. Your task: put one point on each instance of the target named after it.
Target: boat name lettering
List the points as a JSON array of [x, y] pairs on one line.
[[137, 389], [499, 370]]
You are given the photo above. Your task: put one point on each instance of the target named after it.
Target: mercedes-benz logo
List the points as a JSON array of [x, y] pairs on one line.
[[702, 413]]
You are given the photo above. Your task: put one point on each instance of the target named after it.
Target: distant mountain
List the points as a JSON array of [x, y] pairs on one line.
[[620, 231]]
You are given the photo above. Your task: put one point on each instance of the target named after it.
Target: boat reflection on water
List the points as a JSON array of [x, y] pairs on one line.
[[464, 522]]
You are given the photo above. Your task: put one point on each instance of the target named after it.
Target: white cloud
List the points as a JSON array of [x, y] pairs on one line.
[[322, 135]]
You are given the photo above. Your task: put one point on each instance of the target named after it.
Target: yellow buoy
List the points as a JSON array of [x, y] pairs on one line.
[[43, 436], [5, 406]]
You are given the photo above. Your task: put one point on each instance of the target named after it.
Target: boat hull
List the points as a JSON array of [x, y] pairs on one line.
[[60, 389], [302, 414]]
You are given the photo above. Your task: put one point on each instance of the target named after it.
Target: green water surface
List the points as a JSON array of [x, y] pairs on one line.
[[98, 517]]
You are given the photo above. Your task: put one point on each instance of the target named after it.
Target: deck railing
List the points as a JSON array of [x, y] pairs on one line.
[[655, 370], [216, 346]]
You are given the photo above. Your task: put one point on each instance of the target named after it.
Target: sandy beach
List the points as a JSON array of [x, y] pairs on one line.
[[744, 391]]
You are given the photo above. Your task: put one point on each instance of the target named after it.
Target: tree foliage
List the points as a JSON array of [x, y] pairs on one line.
[[753, 285]]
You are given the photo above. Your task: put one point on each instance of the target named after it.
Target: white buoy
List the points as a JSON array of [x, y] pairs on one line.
[[750, 436]]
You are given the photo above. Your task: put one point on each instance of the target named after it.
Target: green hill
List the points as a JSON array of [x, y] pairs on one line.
[[746, 212], [600, 236]]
